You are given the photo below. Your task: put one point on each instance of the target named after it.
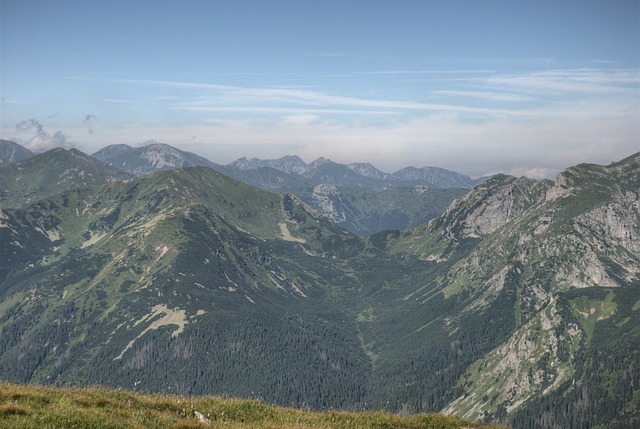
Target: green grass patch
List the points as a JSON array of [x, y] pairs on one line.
[[589, 311], [23, 406]]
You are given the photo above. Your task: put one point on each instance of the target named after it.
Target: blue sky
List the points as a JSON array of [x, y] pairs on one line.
[[524, 87]]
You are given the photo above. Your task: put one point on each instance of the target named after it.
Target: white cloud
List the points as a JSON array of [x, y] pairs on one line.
[[584, 82], [33, 136], [43, 143], [236, 95]]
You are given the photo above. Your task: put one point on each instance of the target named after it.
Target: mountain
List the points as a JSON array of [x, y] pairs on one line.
[[367, 170], [520, 303], [51, 172], [268, 178], [131, 266], [11, 152], [358, 197], [287, 164], [553, 268], [373, 200], [149, 159], [332, 173], [364, 212], [158, 157], [363, 175], [436, 177]]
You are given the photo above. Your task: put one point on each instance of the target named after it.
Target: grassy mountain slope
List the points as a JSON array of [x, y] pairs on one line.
[[51, 172], [137, 275], [11, 152], [96, 408]]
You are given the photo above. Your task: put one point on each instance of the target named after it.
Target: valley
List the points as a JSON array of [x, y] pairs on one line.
[[515, 302]]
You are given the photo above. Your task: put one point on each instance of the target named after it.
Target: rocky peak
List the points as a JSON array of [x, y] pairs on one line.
[[326, 198], [367, 170], [491, 205]]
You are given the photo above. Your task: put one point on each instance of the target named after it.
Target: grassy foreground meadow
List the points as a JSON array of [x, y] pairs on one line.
[[26, 406]]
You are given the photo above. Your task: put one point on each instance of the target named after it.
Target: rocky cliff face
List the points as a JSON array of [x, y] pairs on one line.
[[542, 242], [490, 206], [328, 201], [535, 360], [557, 262]]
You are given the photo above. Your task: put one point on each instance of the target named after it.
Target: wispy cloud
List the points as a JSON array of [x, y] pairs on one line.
[[4, 100], [118, 100], [484, 95], [39, 140], [90, 122], [278, 110], [36, 55], [579, 81], [237, 94], [66, 48]]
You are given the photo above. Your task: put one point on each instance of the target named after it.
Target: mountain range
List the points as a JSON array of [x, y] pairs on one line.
[[518, 303], [157, 156], [358, 197]]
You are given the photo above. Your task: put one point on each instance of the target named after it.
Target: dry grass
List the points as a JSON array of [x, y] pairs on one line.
[[97, 408]]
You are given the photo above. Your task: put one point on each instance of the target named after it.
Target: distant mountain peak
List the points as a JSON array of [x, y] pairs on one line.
[[147, 159], [286, 164], [52, 172], [319, 161], [367, 170], [11, 152]]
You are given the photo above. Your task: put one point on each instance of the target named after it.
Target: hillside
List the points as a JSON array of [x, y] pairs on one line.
[[519, 304], [37, 407], [190, 247], [11, 152], [52, 172], [364, 212], [559, 263]]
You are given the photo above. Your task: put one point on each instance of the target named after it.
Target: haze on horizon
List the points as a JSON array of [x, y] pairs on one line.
[[527, 87]]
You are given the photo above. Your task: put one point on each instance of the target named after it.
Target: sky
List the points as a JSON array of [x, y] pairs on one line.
[[525, 87]]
